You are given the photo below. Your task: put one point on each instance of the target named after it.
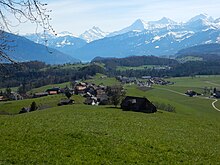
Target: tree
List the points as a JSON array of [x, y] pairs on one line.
[[8, 92], [33, 106], [15, 12], [67, 92], [115, 93]]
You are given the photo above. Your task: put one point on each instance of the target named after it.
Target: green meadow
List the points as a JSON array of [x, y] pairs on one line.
[[81, 134], [124, 68]]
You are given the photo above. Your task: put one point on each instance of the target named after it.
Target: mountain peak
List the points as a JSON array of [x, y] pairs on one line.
[[139, 25], [163, 21], [95, 33], [199, 17]]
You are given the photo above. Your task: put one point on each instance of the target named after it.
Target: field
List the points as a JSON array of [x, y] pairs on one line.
[[124, 68], [80, 134], [100, 79]]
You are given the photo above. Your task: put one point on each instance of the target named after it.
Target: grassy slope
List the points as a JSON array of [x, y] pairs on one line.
[[104, 135], [105, 80], [97, 135], [44, 88], [124, 68]]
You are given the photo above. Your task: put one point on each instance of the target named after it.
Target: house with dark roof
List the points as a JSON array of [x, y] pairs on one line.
[[53, 91], [42, 94], [216, 93], [138, 104]]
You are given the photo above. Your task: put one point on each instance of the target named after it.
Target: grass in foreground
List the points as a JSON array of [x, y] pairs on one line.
[[80, 134], [100, 135]]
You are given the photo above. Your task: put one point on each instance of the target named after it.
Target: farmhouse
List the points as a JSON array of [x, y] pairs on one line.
[[216, 93], [15, 96], [80, 88], [53, 91], [37, 95], [138, 104], [102, 96], [91, 101], [191, 93], [2, 98]]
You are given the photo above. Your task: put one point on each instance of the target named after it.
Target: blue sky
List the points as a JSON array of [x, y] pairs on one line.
[[76, 16]]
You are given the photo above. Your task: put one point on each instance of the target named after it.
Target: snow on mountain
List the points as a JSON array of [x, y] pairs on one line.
[[161, 37], [93, 34], [163, 22], [65, 42], [138, 26], [201, 17], [201, 22], [65, 33]]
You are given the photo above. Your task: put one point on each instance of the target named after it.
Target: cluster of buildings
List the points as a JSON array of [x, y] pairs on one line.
[[11, 96], [94, 94], [215, 93], [147, 81]]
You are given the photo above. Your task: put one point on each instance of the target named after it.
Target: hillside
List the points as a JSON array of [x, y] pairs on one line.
[[207, 52], [22, 49], [134, 61], [83, 134]]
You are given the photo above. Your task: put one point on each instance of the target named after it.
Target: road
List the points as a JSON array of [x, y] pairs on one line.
[[213, 105], [183, 94]]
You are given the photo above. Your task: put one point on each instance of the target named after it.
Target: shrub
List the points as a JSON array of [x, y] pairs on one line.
[[33, 106]]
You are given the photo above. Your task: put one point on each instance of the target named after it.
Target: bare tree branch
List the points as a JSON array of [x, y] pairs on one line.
[[15, 12]]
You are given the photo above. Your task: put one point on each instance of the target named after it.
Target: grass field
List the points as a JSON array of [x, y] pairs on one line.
[[44, 88], [80, 134], [124, 68], [101, 79]]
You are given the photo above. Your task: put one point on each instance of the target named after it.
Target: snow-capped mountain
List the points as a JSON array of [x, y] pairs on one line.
[[163, 21], [65, 33], [201, 17], [93, 34], [138, 26], [64, 42], [163, 37]]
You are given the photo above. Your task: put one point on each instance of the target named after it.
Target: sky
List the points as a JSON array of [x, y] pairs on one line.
[[76, 16]]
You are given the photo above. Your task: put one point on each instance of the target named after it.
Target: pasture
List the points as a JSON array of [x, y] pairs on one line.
[[80, 134]]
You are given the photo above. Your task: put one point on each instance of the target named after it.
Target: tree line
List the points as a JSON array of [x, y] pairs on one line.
[[35, 74]]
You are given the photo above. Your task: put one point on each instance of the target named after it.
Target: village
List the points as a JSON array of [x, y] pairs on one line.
[[103, 95]]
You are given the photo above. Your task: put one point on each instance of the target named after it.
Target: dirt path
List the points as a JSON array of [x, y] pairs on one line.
[[183, 94]]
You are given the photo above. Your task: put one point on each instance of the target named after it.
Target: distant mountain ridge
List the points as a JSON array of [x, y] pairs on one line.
[[22, 50], [163, 37], [65, 42]]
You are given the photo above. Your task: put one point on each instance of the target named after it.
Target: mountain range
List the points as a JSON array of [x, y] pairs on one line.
[[164, 37], [22, 50]]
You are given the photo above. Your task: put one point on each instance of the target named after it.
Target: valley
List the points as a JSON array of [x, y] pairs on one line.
[[147, 92], [105, 134]]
